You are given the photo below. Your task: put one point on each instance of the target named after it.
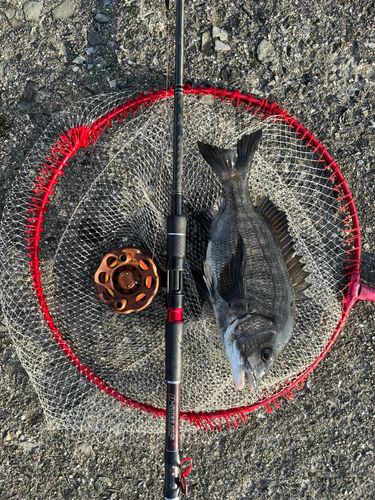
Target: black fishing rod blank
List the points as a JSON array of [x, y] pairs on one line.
[[176, 243]]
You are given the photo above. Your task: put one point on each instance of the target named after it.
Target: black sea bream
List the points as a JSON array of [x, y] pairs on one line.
[[251, 272]]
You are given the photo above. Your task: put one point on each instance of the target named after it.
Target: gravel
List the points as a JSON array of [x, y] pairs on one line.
[[102, 18], [317, 59], [266, 53], [32, 10], [64, 10]]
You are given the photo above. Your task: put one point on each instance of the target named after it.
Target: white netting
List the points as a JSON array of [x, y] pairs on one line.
[[108, 198]]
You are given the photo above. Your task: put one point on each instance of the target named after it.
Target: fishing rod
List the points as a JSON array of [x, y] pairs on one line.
[[176, 243]]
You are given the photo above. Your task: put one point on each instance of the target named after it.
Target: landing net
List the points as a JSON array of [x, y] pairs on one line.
[[93, 368]]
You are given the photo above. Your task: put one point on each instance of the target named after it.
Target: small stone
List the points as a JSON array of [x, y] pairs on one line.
[[75, 69], [106, 3], [17, 21], [229, 74], [34, 415], [63, 50], [8, 437], [112, 84], [207, 100], [290, 21], [221, 34], [89, 66], [98, 488], [218, 16], [207, 47], [28, 447], [101, 18], [32, 10], [123, 85], [10, 13], [64, 10], [79, 60], [41, 95], [28, 98], [105, 480], [221, 47], [86, 450], [94, 39], [68, 494], [266, 53], [90, 50]]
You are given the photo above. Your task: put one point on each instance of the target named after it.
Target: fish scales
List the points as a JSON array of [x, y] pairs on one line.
[[247, 279], [264, 279]]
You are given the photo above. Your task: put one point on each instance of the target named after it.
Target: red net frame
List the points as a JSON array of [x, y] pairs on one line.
[[68, 145]]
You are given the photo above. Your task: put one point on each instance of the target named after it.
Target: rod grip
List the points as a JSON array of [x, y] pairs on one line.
[[173, 351]]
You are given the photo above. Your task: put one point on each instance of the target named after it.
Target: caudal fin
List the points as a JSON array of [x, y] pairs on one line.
[[220, 160], [246, 148], [226, 162]]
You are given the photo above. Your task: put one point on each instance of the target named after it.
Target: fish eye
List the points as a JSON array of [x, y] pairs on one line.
[[266, 355]]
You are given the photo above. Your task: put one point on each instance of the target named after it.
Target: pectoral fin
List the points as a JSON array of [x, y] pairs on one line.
[[232, 281], [200, 282], [209, 280], [207, 217]]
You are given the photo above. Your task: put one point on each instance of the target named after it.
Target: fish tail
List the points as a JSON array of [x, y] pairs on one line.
[[228, 162], [220, 160], [246, 148]]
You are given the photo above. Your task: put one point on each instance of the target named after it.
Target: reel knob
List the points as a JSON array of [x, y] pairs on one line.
[[127, 280]]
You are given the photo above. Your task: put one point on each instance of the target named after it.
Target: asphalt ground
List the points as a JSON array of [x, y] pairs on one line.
[[317, 60]]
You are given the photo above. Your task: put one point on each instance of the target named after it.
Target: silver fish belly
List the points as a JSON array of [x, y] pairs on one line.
[[247, 278]]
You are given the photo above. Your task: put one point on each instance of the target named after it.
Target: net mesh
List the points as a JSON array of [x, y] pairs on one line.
[[109, 198]]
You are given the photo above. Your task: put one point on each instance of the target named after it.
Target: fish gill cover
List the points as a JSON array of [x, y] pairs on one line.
[[108, 198]]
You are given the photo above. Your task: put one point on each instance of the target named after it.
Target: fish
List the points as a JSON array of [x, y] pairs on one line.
[[252, 274]]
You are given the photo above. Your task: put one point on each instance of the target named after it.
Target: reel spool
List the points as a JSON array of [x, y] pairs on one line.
[[127, 280]]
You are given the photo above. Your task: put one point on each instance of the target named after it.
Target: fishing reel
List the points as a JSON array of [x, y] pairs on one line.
[[127, 280]]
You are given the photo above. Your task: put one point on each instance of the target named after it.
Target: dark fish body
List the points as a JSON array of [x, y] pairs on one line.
[[247, 277]]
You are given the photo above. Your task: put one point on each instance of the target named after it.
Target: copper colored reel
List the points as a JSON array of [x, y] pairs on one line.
[[127, 280]]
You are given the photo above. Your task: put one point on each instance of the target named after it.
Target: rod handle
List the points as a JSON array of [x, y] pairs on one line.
[[173, 355]]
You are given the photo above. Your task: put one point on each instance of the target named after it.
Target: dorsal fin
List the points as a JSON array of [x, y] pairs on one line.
[[279, 223]]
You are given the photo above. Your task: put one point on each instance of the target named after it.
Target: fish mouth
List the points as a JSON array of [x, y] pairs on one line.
[[241, 370], [251, 378], [242, 374]]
